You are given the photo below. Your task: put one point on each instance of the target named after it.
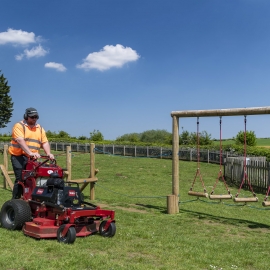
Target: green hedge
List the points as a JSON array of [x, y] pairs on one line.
[[251, 150]]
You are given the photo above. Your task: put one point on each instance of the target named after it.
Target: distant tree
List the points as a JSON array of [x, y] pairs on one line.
[[6, 104], [63, 134], [83, 138], [156, 136], [132, 137], [191, 138], [51, 134], [184, 138], [250, 138], [96, 136]]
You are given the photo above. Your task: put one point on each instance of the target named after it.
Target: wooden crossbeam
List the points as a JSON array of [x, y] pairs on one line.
[[220, 197], [266, 203], [197, 194], [252, 199], [84, 180]]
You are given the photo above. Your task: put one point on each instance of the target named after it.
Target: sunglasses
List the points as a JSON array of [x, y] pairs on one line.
[[33, 117]]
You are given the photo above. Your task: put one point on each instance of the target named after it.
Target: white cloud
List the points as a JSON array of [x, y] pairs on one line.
[[57, 66], [110, 56], [17, 37], [37, 51]]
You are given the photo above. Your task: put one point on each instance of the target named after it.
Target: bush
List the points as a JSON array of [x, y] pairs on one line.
[[250, 138]]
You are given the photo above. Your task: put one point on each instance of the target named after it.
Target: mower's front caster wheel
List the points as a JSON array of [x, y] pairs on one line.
[[110, 232], [14, 214], [70, 236]]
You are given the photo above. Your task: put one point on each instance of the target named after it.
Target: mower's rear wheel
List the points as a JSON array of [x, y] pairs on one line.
[[14, 214], [110, 232], [70, 236]]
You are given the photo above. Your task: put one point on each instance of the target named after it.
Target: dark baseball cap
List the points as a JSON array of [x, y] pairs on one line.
[[31, 112]]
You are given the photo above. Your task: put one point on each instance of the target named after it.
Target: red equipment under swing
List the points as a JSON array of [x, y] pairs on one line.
[[245, 176], [220, 174], [198, 172]]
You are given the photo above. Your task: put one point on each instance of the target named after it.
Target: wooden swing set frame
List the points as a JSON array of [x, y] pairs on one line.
[[173, 200]]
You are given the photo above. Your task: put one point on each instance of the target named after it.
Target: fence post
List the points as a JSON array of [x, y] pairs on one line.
[[208, 157], [147, 151], [160, 152], [135, 154], [68, 157], [190, 155], [113, 149], [92, 171], [5, 153], [124, 150]]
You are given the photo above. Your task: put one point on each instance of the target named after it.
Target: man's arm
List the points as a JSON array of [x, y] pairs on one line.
[[47, 149]]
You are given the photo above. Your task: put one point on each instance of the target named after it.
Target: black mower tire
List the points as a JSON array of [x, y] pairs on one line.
[[14, 213], [70, 236], [110, 232]]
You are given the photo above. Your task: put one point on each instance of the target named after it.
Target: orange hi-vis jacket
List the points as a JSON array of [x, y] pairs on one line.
[[34, 138]]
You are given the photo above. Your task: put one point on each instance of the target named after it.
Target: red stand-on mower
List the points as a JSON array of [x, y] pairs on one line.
[[52, 208]]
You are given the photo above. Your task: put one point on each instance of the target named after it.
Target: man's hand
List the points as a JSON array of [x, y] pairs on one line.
[[51, 156], [35, 155]]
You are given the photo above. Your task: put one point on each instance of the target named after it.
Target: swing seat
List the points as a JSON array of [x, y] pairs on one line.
[[220, 197], [265, 203], [198, 194], [251, 199]]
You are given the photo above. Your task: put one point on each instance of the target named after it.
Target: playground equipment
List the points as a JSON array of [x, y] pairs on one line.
[[198, 172], [220, 176], [172, 200], [245, 176]]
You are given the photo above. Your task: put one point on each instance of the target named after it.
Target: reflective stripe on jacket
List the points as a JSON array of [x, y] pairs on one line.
[[34, 138]]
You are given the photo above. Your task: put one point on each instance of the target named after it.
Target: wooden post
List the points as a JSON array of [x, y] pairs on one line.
[[68, 154], [172, 204], [92, 171], [175, 166], [5, 153]]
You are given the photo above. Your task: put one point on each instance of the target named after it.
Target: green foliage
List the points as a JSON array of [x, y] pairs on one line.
[[96, 135], [60, 134], [250, 138], [131, 137], [157, 136], [82, 138], [187, 138], [63, 134], [6, 104]]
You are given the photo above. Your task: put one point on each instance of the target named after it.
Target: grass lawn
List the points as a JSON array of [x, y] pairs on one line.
[[204, 235], [265, 142]]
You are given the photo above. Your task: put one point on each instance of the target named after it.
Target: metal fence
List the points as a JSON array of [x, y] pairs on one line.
[[189, 154], [258, 170]]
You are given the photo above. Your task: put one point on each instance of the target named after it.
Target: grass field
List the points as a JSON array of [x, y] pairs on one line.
[[260, 142], [204, 235]]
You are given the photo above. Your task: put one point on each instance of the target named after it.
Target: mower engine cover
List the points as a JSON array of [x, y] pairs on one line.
[[45, 194]]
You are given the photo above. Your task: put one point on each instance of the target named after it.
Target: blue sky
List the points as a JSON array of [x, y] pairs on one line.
[[123, 66]]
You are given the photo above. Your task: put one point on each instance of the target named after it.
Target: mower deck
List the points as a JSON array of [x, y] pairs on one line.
[[46, 228]]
